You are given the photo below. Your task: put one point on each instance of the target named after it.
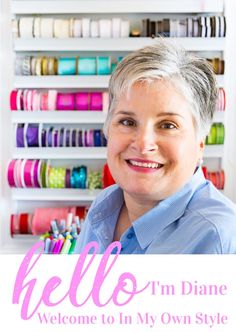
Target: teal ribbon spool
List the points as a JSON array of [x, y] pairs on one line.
[[113, 67], [79, 177], [66, 66], [87, 66], [103, 65]]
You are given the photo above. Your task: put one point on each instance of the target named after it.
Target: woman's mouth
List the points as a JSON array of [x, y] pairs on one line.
[[143, 165]]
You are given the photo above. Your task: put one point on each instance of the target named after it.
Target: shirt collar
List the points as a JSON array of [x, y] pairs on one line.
[[167, 211], [154, 221]]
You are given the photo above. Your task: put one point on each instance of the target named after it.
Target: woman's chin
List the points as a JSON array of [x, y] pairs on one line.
[[138, 190]]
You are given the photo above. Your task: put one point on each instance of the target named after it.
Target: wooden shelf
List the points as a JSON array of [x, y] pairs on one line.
[[118, 6], [113, 44]]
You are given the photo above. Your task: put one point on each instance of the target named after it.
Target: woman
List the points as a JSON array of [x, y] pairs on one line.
[[162, 101]]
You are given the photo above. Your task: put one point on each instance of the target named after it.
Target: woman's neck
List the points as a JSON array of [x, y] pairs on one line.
[[137, 206]]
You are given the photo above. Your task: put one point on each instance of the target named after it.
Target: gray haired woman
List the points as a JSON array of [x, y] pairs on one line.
[[162, 101]]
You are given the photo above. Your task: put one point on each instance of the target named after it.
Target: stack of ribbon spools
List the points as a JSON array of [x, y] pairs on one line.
[[35, 135], [27, 173], [41, 66], [51, 100], [74, 27]]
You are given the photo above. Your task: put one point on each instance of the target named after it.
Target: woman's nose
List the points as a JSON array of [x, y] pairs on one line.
[[146, 140]]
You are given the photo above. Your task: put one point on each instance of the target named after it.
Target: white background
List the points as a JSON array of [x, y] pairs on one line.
[[165, 269]]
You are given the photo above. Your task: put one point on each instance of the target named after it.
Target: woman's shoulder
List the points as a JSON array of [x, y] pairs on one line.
[[216, 214]]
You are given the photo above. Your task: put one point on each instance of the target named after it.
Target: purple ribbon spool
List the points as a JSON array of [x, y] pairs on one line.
[[32, 135], [50, 137], [20, 136], [67, 137], [67, 179], [43, 136], [61, 138], [55, 138], [74, 138], [80, 142]]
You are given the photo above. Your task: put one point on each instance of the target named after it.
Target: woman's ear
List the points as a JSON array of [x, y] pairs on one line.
[[201, 149]]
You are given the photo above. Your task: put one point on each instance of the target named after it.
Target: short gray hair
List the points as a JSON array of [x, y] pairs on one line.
[[166, 61]]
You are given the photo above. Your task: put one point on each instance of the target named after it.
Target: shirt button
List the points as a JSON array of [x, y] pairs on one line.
[[130, 235]]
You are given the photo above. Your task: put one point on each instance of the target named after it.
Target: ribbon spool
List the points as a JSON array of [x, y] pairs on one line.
[[94, 180], [103, 65], [65, 101], [67, 66], [87, 66], [217, 178], [107, 179], [21, 224], [216, 135], [79, 177]]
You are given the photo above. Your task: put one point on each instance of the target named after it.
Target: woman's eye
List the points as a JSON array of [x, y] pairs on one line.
[[127, 122], [168, 125]]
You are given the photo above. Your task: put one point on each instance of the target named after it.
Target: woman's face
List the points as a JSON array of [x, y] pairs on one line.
[[152, 143]]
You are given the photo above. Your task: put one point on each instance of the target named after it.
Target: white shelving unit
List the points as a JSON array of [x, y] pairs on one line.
[[114, 44], [115, 6], [79, 117], [69, 82], [62, 46], [75, 195], [60, 117], [61, 153], [211, 151]]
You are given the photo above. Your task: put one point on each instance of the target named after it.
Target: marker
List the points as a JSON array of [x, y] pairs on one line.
[[47, 245], [54, 227], [72, 247], [66, 247], [52, 245], [69, 220]]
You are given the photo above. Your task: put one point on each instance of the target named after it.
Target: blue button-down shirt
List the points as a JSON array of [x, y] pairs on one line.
[[197, 219]]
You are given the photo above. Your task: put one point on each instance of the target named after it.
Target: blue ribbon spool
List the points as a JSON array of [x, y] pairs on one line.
[[97, 137], [87, 66], [79, 177], [103, 65], [66, 66]]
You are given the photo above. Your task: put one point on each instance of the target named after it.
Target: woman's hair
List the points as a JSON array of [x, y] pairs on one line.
[[191, 75]]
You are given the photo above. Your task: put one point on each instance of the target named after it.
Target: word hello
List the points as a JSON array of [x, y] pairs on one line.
[[84, 262]]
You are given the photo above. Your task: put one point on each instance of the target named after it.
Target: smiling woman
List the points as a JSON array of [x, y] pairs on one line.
[[162, 101]]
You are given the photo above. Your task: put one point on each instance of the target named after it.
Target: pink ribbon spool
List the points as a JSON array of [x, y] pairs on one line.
[[10, 173], [27, 173], [13, 104], [43, 216], [96, 101], [52, 100], [82, 102], [19, 100], [34, 174], [65, 101]]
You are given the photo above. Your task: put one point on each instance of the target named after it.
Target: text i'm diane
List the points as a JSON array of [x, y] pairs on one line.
[[186, 287]]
